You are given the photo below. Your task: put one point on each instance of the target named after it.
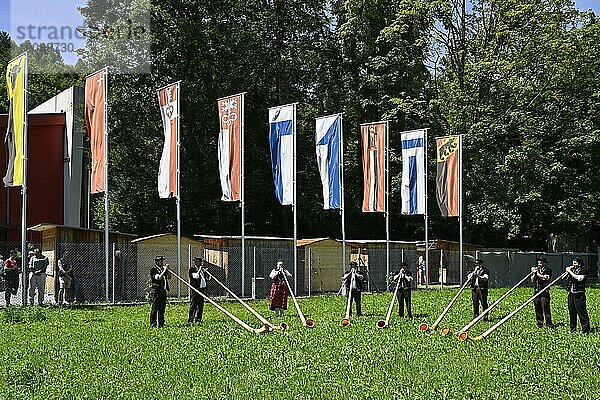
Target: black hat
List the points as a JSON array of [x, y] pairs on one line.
[[403, 264], [157, 258], [353, 263], [542, 259], [479, 261], [578, 259], [198, 259]]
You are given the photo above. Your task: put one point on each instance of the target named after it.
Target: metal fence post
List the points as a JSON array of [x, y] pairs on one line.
[[254, 272], [441, 273], [113, 271], [178, 273], [402, 255], [309, 271], [243, 277], [190, 258]]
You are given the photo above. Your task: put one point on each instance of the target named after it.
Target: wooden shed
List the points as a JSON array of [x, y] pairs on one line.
[[320, 263], [165, 244], [87, 246]]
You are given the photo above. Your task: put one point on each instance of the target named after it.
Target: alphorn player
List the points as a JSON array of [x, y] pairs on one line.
[[198, 279], [479, 287], [576, 280], [357, 286], [404, 289], [160, 287], [279, 290], [542, 275]]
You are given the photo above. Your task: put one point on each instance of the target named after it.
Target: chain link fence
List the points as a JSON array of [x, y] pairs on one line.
[[125, 278]]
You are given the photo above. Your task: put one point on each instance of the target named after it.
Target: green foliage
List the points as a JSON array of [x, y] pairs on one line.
[[111, 353], [517, 78]]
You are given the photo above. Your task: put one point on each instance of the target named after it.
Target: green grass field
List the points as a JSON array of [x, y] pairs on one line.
[[111, 353]]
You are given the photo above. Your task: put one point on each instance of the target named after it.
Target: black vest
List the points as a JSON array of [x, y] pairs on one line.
[[483, 284], [538, 284], [158, 284], [575, 286]]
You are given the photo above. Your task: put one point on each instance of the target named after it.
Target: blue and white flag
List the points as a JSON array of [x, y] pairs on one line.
[[328, 158], [413, 172], [281, 139]]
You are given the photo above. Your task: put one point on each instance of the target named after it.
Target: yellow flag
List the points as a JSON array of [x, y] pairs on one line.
[[15, 79]]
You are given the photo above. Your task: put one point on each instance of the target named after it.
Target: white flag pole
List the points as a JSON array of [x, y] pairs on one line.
[[106, 238], [295, 206], [24, 185], [387, 204], [460, 203], [426, 211], [242, 194], [342, 203], [178, 186]]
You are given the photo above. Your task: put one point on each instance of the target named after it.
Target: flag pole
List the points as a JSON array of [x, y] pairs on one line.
[[178, 186], [242, 194], [426, 213], [460, 204], [387, 204], [106, 239], [295, 206], [341, 150], [24, 185]]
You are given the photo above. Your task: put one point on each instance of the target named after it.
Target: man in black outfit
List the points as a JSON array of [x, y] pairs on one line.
[[576, 280], [479, 287], [357, 286], [198, 278], [404, 290], [542, 274], [160, 287]]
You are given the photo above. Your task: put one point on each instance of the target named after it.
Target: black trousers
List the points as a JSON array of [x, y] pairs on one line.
[[577, 307], [12, 286], [404, 296], [479, 295], [196, 306], [355, 297], [159, 303], [542, 310]]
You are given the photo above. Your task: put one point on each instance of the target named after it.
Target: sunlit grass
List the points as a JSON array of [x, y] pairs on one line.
[[112, 353]]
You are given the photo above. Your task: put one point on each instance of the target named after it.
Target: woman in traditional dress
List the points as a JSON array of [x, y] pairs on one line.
[[279, 290]]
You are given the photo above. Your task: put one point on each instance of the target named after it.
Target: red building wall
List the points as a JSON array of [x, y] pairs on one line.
[[45, 175]]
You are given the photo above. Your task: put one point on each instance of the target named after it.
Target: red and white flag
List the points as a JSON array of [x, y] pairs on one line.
[[168, 100], [373, 140], [95, 104], [231, 114]]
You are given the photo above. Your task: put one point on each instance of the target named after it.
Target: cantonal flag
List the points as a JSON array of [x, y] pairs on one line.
[[231, 113], [168, 101], [447, 175], [95, 103], [373, 140], [15, 82]]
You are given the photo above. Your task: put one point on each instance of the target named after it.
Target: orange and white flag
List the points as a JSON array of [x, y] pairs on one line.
[[168, 100], [95, 106], [231, 112], [373, 140]]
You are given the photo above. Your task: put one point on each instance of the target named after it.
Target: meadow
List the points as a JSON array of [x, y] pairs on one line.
[[111, 353]]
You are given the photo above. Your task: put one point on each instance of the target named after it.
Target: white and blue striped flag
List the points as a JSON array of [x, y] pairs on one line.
[[281, 139], [328, 158], [413, 172]]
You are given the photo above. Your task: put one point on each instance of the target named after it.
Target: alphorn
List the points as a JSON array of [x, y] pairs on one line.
[[309, 323], [346, 320], [384, 323], [242, 302], [509, 316], [264, 329], [424, 328], [462, 333]]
